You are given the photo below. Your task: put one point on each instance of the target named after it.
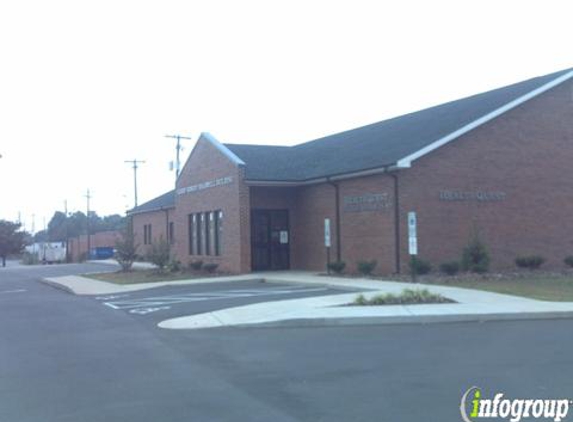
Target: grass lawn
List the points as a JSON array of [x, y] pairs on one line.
[[550, 287], [146, 276]]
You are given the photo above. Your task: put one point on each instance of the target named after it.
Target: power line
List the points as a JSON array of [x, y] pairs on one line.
[[177, 149], [135, 163]]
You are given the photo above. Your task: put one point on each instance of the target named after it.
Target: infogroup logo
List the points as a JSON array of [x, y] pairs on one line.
[[474, 407]]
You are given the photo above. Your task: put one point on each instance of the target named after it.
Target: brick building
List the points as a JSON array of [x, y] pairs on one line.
[[497, 162], [78, 246]]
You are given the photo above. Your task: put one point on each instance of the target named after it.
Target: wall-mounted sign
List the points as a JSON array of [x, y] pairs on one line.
[[327, 232], [412, 234], [366, 202], [478, 196], [205, 185], [283, 237]]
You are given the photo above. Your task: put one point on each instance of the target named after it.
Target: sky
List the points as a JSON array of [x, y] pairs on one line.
[[86, 85]]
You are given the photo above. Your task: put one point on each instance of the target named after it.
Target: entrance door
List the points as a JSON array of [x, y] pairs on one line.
[[270, 238]]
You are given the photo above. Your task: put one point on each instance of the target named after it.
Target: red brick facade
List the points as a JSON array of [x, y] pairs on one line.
[[509, 179], [78, 246]]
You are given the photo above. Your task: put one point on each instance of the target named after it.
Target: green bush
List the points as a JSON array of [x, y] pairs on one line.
[[29, 259], [159, 253], [366, 267], [569, 260], [125, 249], [210, 268], [475, 256], [337, 267], [531, 262], [196, 265], [420, 266], [450, 267], [406, 297], [174, 266]]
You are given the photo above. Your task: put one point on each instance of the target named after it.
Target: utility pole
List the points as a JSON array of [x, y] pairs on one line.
[[177, 149], [67, 231], [88, 197], [135, 163]]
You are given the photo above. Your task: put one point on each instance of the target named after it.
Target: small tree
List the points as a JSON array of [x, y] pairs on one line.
[[159, 254], [126, 250], [475, 256], [12, 239]]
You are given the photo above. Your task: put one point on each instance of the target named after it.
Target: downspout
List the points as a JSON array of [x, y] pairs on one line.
[[337, 219], [396, 221]]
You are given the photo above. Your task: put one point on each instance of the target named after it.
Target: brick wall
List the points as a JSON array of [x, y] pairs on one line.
[[205, 164], [158, 220], [78, 246], [526, 154]]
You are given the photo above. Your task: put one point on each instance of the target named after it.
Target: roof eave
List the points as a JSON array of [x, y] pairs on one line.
[[406, 162]]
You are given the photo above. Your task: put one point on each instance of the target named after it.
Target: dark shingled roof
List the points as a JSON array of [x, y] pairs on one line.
[[167, 200], [377, 145]]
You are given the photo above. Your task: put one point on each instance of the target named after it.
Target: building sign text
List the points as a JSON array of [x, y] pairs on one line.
[[205, 185], [367, 202], [480, 196]]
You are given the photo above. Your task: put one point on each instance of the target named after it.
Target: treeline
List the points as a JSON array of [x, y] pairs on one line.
[[61, 227]]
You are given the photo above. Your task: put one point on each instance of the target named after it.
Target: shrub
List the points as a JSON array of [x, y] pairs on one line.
[[174, 266], [475, 256], [450, 268], [126, 250], [337, 267], [569, 260], [159, 254], [406, 297], [531, 262], [366, 267], [210, 268], [196, 265], [420, 266], [29, 259]]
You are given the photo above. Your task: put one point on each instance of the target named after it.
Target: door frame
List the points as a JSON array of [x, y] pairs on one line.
[[269, 212]]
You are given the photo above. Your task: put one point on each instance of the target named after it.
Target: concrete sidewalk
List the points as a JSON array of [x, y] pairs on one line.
[[472, 305], [81, 286]]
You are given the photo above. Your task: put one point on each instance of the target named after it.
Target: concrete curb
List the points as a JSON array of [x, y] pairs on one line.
[[402, 320], [57, 285]]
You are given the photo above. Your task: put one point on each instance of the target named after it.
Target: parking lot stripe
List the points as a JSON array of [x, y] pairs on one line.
[[194, 297]]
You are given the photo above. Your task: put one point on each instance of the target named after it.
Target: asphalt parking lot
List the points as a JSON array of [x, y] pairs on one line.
[[162, 303]]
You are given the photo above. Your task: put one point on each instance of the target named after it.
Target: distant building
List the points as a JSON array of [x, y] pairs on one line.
[[497, 162], [101, 245]]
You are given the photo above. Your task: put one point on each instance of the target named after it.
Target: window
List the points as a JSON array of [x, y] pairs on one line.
[[208, 227], [171, 233], [218, 230], [147, 234], [192, 234], [205, 230], [199, 226]]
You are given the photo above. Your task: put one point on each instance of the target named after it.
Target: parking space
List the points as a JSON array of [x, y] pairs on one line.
[[168, 302]]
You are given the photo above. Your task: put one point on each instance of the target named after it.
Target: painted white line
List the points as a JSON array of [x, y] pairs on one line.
[[12, 291], [110, 297], [144, 311], [159, 301]]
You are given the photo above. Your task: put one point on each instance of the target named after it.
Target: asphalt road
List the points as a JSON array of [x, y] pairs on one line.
[[66, 358]]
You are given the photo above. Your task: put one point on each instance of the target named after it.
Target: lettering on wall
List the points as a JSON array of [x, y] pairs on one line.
[[467, 196], [366, 202], [205, 185]]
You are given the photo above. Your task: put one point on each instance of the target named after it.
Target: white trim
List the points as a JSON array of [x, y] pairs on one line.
[[278, 183], [226, 151], [406, 162]]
